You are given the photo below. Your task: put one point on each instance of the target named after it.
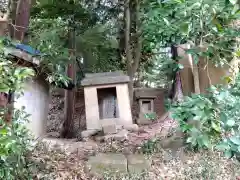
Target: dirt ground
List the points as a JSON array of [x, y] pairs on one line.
[[63, 159]]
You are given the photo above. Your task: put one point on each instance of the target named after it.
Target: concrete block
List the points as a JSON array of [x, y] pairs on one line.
[[101, 163], [137, 163], [110, 129]]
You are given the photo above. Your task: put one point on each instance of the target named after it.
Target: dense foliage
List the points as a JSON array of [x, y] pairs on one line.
[[96, 49], [212, 119], [15, 140]]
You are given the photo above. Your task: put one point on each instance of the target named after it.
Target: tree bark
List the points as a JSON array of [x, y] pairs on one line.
[[133, 49], [22, 19], [4, 18], [68, 125], [128, 48], [195, 73]]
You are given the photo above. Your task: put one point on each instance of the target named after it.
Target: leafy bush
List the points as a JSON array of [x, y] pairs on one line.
[[15, 140], [198, 119], [15, 143], [211, 119]]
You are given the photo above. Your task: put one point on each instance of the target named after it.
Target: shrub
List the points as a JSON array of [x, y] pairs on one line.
[[15, 140], [211, 120], [15, 144]]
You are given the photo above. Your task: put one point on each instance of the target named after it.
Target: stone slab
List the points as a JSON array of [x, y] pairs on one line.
[[89, 133], [101, 163], [138, 163], [120, 136], [110, 129], [104, 74], [148, 92], [105, 80]]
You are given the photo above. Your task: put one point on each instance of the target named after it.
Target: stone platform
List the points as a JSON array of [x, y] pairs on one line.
[[102, 163]]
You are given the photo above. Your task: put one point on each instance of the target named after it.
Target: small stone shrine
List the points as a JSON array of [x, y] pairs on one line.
[[145, 98], [107, 103]]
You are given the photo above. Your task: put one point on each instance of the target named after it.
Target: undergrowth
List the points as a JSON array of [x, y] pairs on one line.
[[211, 120]]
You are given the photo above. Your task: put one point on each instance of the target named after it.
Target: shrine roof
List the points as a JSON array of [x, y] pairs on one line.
[[117, 77]]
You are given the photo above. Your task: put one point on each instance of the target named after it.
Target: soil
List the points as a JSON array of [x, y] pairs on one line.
[[64, 159]]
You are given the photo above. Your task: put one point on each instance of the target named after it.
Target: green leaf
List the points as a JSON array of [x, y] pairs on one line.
[[179, 1], [197, 118], [233, 1], [180, 66], [230, 122], [238, 53], [189, 140], [206, 141], [235, 9], [184, 28], [235, 140], [3, 131], [166, 21], [222, 147], [218, 25], [216, 127], [4, 88], [229, 154]]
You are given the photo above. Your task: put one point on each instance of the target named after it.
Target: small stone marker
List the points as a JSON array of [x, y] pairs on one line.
[[101, 163], [137, 163], [110, 129]]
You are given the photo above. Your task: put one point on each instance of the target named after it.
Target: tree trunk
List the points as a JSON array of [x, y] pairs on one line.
[[128, 48], [133, 49], [68, 125], [22, 19], [195, 75], [4, 18]]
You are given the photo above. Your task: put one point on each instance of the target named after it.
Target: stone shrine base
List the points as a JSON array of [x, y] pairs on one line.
[[112, 162]]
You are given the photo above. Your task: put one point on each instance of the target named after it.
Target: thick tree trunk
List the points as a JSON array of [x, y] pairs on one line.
[[4, 17], [68, 125], [22, 19], [128, 48], [133, 49]]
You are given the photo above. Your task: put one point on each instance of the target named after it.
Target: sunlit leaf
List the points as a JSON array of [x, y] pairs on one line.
[[222, 147], [228, 154], [235, 140], [230, 122], [166, 21], [206, 141], [233, 1], [216, 127]]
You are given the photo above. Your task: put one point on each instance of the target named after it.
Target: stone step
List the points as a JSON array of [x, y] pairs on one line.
[[116, 162]]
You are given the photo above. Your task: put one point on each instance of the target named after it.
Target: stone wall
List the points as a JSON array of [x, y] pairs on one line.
[[56, 113], [35, 100]]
